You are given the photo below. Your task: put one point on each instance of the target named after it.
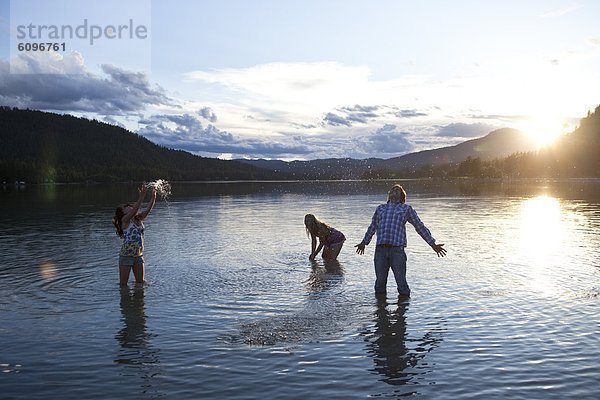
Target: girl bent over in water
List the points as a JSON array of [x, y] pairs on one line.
[[330, 240]]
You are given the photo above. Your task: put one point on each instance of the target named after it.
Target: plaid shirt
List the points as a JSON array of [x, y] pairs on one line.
[[389, 221]]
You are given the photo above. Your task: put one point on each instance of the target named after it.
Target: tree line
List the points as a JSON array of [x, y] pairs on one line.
[[574, 155], [38, 147]]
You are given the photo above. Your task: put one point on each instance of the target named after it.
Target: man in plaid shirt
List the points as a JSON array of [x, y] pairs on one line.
[[389, 221]]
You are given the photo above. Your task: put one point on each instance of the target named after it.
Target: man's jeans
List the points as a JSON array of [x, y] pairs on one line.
[[386, 258]]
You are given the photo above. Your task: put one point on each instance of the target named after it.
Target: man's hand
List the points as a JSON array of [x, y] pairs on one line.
[[441, 252], [360, 248]]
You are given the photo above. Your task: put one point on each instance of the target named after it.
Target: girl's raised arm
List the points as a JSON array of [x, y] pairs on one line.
[[144, 214], [134, 208]]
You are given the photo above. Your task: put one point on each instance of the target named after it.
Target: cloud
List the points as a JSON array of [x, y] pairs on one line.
[[186, 132], [50, 81], [357, 114], [595, 42], [110, 120], [497, 117], [303, 126], [323, 101], [409, 114], [348, 116], [208, 114], [285, 76], [385, 142], [361, 112], [278, 110], [314, 86], [388, 139], [562, 11], [459, 129], [335, 120]]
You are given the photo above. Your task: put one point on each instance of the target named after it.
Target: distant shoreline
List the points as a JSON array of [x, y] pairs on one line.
[[220, 182]]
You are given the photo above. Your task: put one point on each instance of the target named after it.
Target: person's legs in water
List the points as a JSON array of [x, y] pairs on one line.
[[382, 267], [398, 261], [124, 271], [138, 269], [331, 252], [125, 264]]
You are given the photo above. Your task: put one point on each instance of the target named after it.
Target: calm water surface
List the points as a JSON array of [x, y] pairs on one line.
[[234, 309]]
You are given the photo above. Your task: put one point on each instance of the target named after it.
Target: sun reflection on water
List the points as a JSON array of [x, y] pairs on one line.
[[48, 270], [541, 235]]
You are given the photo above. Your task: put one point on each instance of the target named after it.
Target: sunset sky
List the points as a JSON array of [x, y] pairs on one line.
[[284, 79]]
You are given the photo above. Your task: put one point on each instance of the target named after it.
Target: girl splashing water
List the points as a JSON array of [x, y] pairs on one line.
[[129, 226], [330, 240]]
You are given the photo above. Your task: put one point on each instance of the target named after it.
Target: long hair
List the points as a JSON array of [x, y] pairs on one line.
[[119, 213], [314, 226], [397, 194]]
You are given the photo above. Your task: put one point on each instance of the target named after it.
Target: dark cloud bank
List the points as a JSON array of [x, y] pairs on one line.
[[186, 132], [74, 89], [119, 92]]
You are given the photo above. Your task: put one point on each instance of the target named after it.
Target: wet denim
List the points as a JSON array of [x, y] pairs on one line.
[[394, 258]]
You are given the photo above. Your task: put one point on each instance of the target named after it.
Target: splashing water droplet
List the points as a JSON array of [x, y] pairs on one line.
[[163, 188]]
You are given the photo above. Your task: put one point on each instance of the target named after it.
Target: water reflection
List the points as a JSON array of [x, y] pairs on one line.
[[325, 312], [48, 270], [506, 339], [541, 225], [389, 344], [542, 232], [136, 351], [324, 275]]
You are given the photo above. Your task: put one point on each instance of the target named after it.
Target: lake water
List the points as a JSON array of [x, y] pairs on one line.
[[233, 308]]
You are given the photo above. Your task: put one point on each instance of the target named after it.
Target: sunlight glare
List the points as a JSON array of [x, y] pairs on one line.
[[540, 222], [544, 130], [541, 237]]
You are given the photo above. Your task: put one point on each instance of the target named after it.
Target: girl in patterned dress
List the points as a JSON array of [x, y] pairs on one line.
[[131, 256]]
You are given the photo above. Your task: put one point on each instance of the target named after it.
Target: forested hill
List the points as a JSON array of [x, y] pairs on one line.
[[38, 146], [496, 144], [574, 155], [499, 143], [504, 153]]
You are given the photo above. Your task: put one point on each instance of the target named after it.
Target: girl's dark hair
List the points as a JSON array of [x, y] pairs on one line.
[[117, 220]]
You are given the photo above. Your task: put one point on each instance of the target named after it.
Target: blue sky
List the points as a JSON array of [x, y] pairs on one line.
[[314, 79]]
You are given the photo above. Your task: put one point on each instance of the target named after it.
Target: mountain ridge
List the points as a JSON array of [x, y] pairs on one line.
[[38, 146], [498, 143]]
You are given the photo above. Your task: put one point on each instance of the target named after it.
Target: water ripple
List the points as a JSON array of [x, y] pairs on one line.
[[231, 297]]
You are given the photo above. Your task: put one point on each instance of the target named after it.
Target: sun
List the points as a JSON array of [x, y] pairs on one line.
[[544, 130]]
